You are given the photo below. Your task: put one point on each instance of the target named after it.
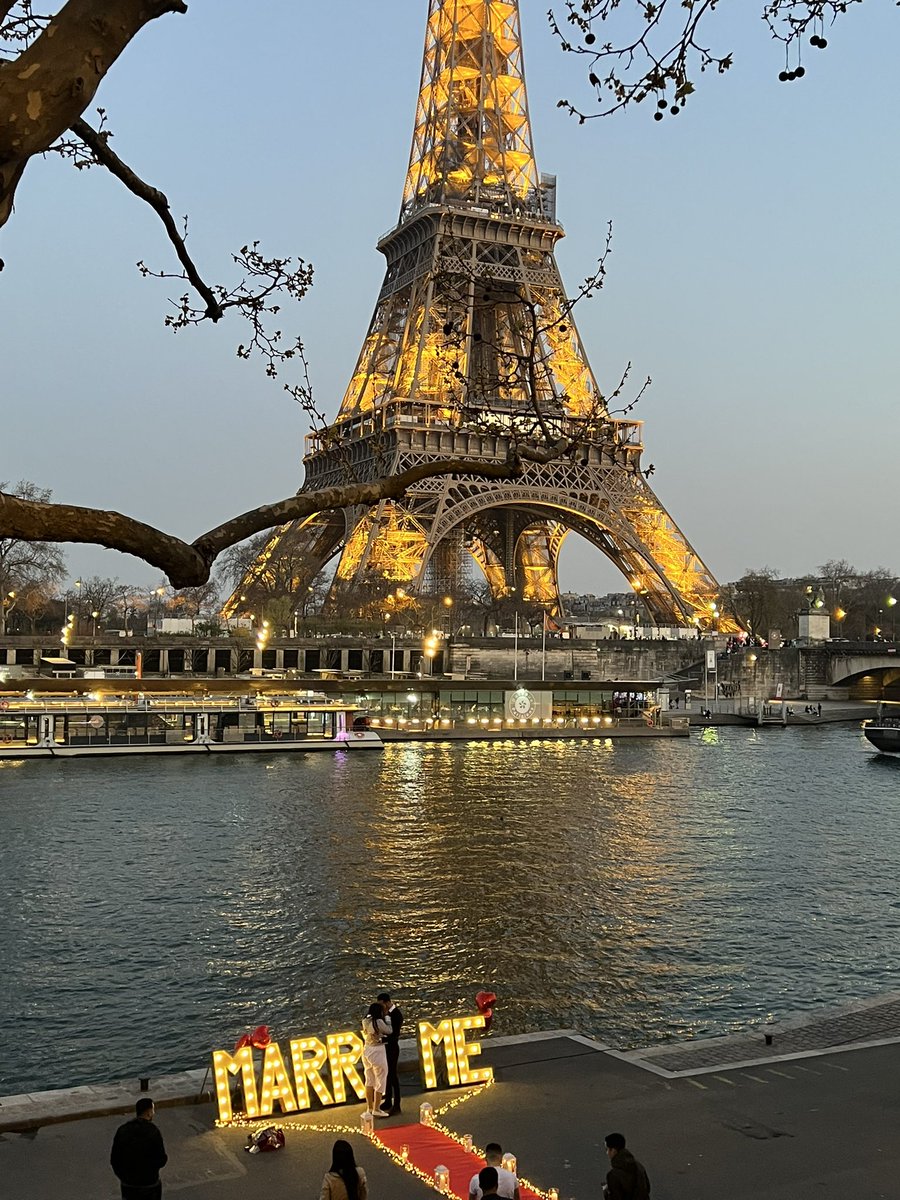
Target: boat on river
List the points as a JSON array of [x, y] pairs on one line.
[[84, 726], [883, 731]]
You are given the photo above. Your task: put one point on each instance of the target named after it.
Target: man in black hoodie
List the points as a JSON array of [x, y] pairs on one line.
[[138, 1153], [626, 1179], [392, 1013]]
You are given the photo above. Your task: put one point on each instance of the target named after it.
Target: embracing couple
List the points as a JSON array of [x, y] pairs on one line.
[[381, 1053]]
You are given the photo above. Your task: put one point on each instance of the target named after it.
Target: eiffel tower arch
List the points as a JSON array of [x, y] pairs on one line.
[[471, 337]]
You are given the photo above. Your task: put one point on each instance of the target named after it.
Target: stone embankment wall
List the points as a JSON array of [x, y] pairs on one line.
[[800, 671]]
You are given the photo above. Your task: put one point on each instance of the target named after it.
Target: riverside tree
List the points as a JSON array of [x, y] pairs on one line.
[[30, 571]]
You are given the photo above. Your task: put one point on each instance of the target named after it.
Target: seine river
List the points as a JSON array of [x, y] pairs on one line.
[[151, 910]]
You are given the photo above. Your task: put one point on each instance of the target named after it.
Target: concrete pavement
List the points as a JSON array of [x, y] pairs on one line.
[[790, 1125]]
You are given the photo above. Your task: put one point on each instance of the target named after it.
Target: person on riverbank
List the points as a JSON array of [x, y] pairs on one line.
[[344, 1180], [375, 1029], [507, 1184], [138, 1154], [394, 1015], [626, 1178], [488, 1181]]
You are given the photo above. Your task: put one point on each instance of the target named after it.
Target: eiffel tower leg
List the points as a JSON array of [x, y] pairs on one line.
[[291, 559], [386, 545]]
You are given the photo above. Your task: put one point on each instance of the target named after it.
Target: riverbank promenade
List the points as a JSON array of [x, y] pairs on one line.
[[812, 1114]]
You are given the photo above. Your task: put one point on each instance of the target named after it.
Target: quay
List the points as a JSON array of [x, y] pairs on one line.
[[794, 1111]]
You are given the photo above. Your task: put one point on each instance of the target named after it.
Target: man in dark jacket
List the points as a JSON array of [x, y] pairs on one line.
[[392, 1013], [138, 1153], [626, 1179]]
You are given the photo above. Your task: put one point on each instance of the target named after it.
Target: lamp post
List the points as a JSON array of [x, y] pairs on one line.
[[448, 605], [154, 592], [94, 615], [9, 603], [890, 602], [430, 650], [262, 637], [68, 629]]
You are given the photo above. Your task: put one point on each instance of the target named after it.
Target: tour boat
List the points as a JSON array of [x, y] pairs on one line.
[[884, 733], [73, 727]]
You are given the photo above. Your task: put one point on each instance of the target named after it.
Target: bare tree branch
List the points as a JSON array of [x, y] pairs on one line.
[[188, 564], [653, 48], [98, 143]]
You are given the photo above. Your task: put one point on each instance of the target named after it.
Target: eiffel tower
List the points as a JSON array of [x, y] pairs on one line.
[[472, 334]]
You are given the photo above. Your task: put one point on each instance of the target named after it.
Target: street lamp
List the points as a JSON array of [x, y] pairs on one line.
[[839, 616], [68, 629], [78, 586], [157, 592], [890, 602], [430, 651], [9, 603], [94, 615], [448, 604]]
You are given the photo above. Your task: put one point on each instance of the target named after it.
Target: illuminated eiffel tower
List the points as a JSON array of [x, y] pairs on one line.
[[472, 290]]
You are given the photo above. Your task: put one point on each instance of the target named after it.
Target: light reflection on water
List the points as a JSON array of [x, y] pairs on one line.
[[635, 890]]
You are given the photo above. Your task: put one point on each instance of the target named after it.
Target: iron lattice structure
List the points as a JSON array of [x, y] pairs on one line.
[[471, 337]]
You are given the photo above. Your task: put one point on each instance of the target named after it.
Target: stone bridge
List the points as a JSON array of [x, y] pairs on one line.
[[854, 671]]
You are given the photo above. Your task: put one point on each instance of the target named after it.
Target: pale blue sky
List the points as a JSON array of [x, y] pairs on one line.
[[754, 274]]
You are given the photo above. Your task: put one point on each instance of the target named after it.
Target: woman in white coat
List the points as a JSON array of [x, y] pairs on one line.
[[375, 1029]]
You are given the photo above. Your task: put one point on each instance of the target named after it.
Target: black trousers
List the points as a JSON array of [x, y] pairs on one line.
[[392, 1088], [152, 1191]]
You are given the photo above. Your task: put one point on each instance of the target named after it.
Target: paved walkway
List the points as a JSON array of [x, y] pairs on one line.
[[821, 1123], [862, 1023]]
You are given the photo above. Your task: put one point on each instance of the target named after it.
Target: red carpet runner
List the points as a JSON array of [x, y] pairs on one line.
[[428, 1148]]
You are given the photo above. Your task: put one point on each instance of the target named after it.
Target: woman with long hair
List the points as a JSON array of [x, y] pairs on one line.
[[344, 1180], [375, 1029]]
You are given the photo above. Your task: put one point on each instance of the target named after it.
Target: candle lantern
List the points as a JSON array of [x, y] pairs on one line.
[[367, 1124], [467, 1142], [552, 1194], [442, 1178], [404, 1152], [426, 1113], [509, 1162]]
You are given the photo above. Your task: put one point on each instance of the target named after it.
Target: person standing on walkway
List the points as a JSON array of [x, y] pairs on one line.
[[375, 1029], [344, 1180], [394, 1015], [488, 1181], [507, 1184], [138, 1154], [626, 1178]]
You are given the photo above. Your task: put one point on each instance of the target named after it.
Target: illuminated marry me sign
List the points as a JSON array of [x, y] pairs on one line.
[[330, 1068]]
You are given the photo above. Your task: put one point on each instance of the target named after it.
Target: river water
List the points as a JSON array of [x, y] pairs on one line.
[[151, 910]]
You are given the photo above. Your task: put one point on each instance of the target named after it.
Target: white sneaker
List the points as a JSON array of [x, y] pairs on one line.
[[379, 1112]]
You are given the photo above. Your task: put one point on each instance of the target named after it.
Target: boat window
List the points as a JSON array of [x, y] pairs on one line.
[[136, 726], [13, 729], [320, 725], [84, 729]]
